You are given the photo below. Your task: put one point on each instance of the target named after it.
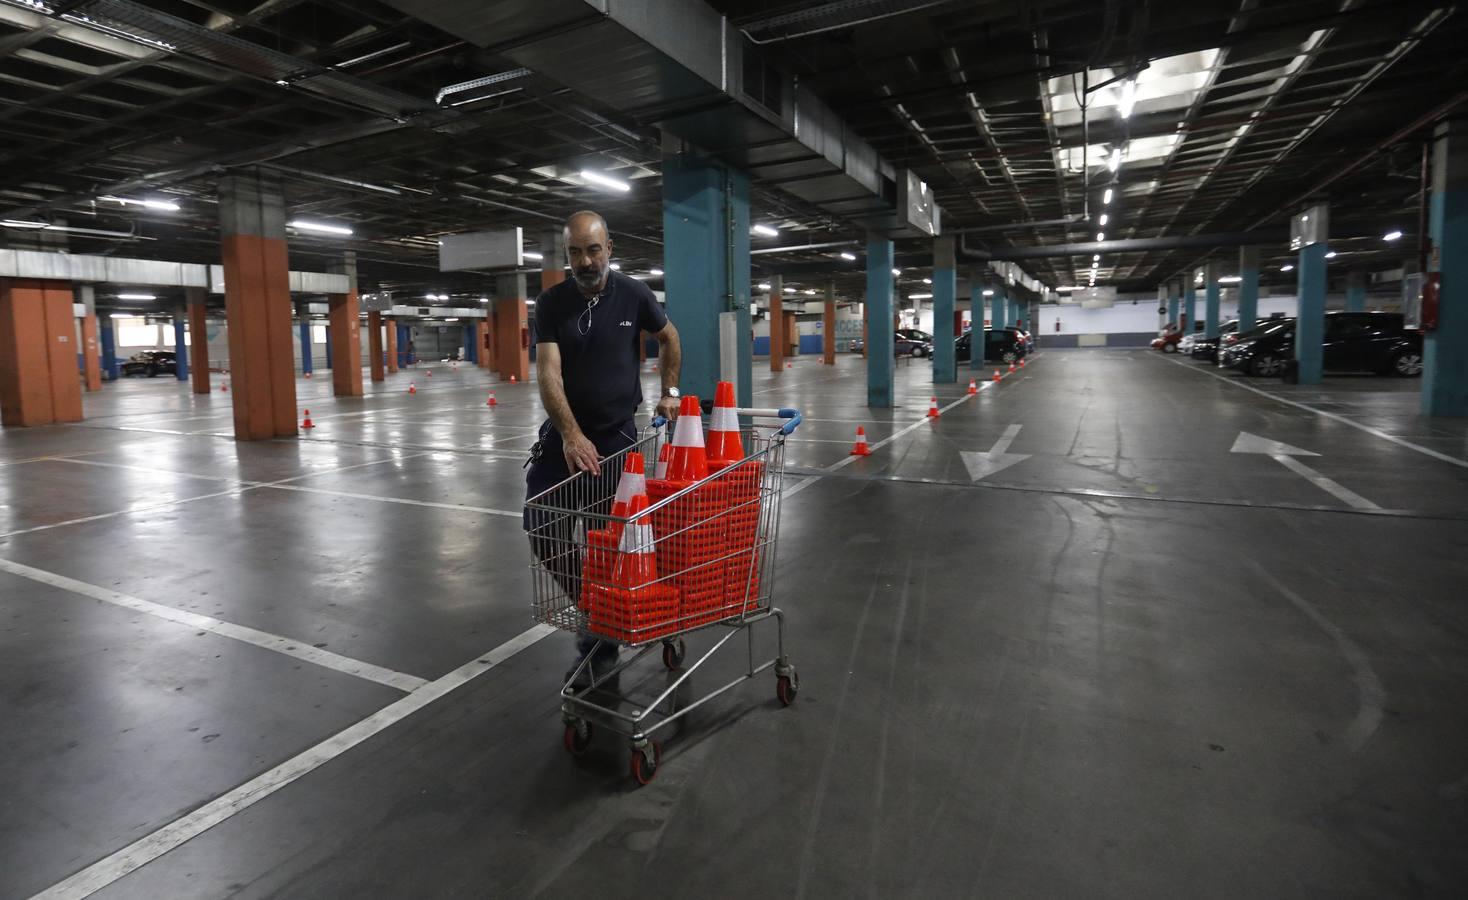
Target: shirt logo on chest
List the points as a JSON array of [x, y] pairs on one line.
[[627, 324]]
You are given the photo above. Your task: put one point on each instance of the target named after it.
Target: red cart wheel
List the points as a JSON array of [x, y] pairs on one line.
[[577, 737], [786, 687], [644, 770], [674, 653]]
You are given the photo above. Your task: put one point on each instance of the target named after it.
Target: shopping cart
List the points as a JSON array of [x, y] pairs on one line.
[[700, 556]]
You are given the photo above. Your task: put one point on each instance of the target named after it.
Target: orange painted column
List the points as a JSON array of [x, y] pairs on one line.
[[38, 377], [828, 328], [481, 334], [197, 299], [511, 327], [344, 314], [776, 315], [392, 345], [257, 305], [91, 354], [791, 333], [374, 345]]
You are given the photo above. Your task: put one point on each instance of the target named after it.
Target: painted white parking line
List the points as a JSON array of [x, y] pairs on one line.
[[143, 851], [273, 642], [1330, 486], [1426, 451]]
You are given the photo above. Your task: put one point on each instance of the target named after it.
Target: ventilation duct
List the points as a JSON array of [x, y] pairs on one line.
[[679, 65]]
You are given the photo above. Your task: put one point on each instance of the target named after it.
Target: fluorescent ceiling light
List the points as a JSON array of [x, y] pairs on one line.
[[1096, 258], [1330, 255], [1067, 289], [1287, 268], [809, 292], [22, 223], [655, 271], [1113, 162], [764, 286], [927, 281], [1128, 98], [616, 267], [322, 227], [483, 299], [852, 256], [605, 181], [918, 297], [1230, 279], [168, 205], [1104, 218], [1106, 197], [451, 319], [988, 293], [531, 254], [123, 316], [897, 272], [1094, 264], [1100, 236], [136, 297], [640, 276], [1392, 236], [765, 230]]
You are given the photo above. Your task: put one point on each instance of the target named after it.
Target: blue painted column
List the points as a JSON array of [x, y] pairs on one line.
[[1212, 300], [180, 347], [1248, 287], [945, 297], [706, 266], [1190, 302], [471, 351], [1355, 292], [880, 332], [976, 314], [307, 364], [1310, 322], [1445, 357], [328, 346], [109, 347]]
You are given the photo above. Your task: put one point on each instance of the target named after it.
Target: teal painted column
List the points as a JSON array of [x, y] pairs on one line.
[[1190, 303], [1248, 287], [976, 313], [1445, 357], [1310, 322], [706, 264], [945, 298], [1355, 292], [180, 348], [1211, 300], [880, 334]]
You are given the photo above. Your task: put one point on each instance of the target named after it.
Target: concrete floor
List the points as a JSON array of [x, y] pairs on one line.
[[1132, 664]]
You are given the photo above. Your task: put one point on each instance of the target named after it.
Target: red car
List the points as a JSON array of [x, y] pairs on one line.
[[1167, 341]]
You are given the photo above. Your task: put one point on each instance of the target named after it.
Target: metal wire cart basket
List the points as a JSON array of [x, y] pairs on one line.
[[640, 562]]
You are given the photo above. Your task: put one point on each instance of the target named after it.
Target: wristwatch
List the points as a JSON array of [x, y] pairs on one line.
[[672, 392]]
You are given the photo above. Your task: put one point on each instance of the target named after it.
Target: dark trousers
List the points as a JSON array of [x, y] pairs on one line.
[[553, 536]]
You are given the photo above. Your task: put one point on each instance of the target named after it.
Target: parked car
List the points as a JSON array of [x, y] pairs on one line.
[[914, 343], [1354, 342], [856, 345], [1002, 346], [151, 363], [1168, 340]]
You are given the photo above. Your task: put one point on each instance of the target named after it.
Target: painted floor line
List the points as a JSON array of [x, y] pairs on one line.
[[286, 646], [1426, 451], [1329, 485], [143, 851]]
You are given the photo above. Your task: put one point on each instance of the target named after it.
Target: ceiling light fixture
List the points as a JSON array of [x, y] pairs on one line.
[[918, 297], [1230, 279], [988, 293], [809, 292], [1095, 257], [1392, 236], [1104, 219], [655, 271], [1113, 162], [616, 267], [765, 230], [22, 223], [851, 257], [605, 181], [167, 205], [1100, 236], [123, 316], [897, 272], [927, 281], [764, 286], [1330, 255], [531, 254], [137, 297], [1106, 197], [1286, 268], [322, 227], [483, 299], [1128, 98]]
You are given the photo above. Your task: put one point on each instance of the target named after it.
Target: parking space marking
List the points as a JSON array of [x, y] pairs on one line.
[[296, 649], [143, 851], [1426, 451]]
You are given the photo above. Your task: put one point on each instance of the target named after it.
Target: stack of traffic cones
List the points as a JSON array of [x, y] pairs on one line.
[[860, 448], [724, 442], [973, 387], [933, 408], [602, 543], [638, 606], [689, 460], [491, 402], [308, 424], [660, 468]]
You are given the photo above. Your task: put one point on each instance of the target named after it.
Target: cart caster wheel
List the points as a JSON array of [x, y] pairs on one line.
[[786, 687], [645, 762], [673, 653], [577, 737]]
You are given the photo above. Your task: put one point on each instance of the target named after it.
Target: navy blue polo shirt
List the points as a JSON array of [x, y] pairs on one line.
[[600, 366]]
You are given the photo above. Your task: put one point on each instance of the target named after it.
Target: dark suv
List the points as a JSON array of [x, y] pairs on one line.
[[151, 363], [1003, 345], [1354, 342]]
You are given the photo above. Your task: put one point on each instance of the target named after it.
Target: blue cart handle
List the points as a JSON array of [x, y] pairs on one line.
[[792, 417]]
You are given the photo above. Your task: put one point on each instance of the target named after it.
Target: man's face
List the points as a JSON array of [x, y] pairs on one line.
[[589, 251]]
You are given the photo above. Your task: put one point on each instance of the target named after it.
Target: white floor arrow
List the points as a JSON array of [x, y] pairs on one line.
[[1285, 454], [982, 465]]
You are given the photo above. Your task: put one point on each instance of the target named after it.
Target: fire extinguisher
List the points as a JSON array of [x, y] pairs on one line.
[[1057, 324]]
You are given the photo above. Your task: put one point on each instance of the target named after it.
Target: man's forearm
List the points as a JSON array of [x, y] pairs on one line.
[[553, 397], [670, 361]]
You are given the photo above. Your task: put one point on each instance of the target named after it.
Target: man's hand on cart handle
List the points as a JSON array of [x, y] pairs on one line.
[[668, 408], [581, 454]]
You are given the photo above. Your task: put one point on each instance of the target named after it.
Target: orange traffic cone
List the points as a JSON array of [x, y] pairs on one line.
[[1011, 368], [308, 423], [430, 373], [512, 379], [633, 483], [491, 402], [973, 387], [997, 376], [308, 375], [689, 460], [724, 442], [660, 470], [860, 448], [933, 408], [224, 387], [412, 388], [1021, 362], [789, 365]]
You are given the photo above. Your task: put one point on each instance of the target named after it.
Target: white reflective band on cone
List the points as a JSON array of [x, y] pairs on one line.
[[630, 486], [688, 435], [724, 419]]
